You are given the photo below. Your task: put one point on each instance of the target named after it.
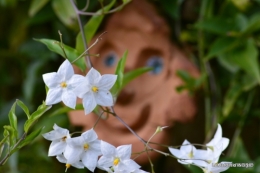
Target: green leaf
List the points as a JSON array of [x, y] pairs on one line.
[[2, 144], [120, 74], [35, 116], [13, 119], [245, 57], [24, 107], [28, 139], [11, 134], [36, 6], [65, 12], [71, 53], [253, 24], [239, 151], [129, 76], [91, 27], [221, 45]]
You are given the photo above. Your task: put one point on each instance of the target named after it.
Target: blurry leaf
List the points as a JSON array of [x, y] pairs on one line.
[[8, 3], [172, 7], [13, 120], [241, 4], [128, 77], [221, 45], [239, 151], [257, 165], [221, 26], [245, 57], [28, 139], [91, 27], [190, 83], [24, 107], [65, 11], [193, 169], [35, 116], [36, 5], [253, 24], [71, 53], [240, 84], [120, 74]]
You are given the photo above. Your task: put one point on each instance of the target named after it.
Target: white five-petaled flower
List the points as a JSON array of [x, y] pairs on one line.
[[95, 90], [117, 159], [188, 154], [62, 159], [62, 84], [85, 148], [58, 136]]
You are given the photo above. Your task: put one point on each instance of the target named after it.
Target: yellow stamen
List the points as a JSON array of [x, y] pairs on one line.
[[116, 161], [63, 84], [64, 138], [190, 155], [86, 146], [94, 89], [67, 166]]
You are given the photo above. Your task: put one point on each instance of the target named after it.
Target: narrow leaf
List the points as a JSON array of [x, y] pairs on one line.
[[11, 134], [35, 116], [24, 108], [91, 27], [36, 6], [71, 53], [13, 119]]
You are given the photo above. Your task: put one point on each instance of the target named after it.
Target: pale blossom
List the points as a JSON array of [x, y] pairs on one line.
[[117, 159], [77, 164], [85, 148], [94, 90], [62, 84], [58, 136]]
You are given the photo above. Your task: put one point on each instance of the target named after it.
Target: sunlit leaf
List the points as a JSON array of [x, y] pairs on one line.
[[120, 74], [71, 53], [24, 107], [35, 116], [91, 27], [13, 119], [36, 6]]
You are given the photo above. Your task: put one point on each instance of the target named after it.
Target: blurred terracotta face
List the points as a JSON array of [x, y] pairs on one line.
[[150, 100]]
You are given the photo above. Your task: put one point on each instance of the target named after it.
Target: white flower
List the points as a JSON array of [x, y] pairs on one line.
[[218, 143], [62, 84], [188, 154], [95, 90], [85, 147], [62, 159], [117, 159], [58, 136]]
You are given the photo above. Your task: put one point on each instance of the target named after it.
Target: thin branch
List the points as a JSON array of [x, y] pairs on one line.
[[86, 6]]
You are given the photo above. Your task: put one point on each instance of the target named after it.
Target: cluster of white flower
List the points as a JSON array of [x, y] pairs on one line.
[[66, 86], [85, 151], [205, 159]]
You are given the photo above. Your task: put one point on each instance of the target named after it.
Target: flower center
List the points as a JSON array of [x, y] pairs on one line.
[[94, 89], [64, 138], [190, 155], [116, 161], [86, 146], [63, 84]]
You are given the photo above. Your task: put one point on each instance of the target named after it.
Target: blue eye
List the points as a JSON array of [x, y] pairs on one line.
[[110, 59], [156, 63]]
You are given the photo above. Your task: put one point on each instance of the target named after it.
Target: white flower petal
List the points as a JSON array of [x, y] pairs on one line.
[[107, 149], [124, 151], [82, 88], [69, 99], [89, 102], [107, 81], [225, 142], [76, 80], [104, 98], [76, 142], [177, 153], [53, 96], [89, 135], [72, 154], [131, 165], [78, 165], [61, 158], [186, 146], [66, 70], [96, 146], [89, 159], [93, 76], [105, 163], [217, 136], [56, 148], [51, 79]]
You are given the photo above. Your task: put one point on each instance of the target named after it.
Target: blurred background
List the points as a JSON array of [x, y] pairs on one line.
[[222, 37]]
